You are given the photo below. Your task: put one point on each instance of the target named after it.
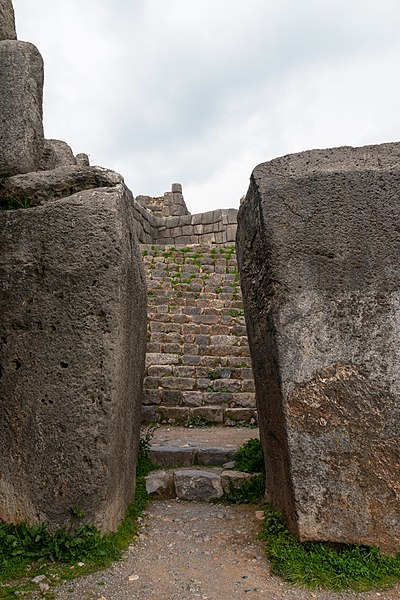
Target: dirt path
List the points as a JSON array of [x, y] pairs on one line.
[[192, 550]]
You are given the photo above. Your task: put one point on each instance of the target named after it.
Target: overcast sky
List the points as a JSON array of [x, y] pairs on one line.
[[201, 91]]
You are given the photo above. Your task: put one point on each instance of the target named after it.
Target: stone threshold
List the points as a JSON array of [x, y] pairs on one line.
[[204, 446], [195, 484]]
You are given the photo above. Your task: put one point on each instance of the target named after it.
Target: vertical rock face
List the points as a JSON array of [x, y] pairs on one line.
[[318, 250], [72, 347], [21, 92], [7, 21]]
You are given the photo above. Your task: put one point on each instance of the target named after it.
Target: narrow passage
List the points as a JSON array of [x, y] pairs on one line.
[[191, 551]]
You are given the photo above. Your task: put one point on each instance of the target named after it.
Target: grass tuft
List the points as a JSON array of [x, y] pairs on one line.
[[316, 565], [27, 552], [250, 457]]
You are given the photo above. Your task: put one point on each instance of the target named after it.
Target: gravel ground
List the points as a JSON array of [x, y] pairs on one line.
[[193, 550]]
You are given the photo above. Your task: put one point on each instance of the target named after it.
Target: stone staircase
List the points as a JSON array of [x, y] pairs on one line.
[[197, 364], [196, 463]]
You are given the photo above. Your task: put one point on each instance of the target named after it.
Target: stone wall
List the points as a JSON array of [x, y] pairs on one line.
[[166, 220], [197, 362]]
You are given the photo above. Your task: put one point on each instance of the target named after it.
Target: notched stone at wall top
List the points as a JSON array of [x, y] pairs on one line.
[[56, 153], [21, 92], [318, 252], [72, 346]]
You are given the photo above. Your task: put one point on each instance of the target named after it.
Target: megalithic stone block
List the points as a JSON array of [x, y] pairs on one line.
[[7, 21], [21, 93], [318, 249], [72, 349]]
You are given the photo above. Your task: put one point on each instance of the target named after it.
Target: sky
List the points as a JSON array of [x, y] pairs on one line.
[[201, 91]]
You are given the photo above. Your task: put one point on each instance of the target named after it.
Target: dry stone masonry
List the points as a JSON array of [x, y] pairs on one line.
[[197, 363], [166, 220], [318, 248]]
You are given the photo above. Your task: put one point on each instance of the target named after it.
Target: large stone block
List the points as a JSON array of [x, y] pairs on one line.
[[57, 153], [72, 345], [39, 187], [318, 249], [7, 21], [21, 92]]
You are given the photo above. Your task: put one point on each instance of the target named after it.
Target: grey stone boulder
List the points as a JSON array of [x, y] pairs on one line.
[[7, 21], [72, 349], [191, 484], [56, 153], [21, 92], [43, 186], [232, 480], [160, 484], [318, 251]]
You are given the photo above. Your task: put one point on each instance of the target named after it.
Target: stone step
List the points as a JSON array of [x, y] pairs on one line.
[[195, 483], [201, 459], [181, 415], [188, 446]]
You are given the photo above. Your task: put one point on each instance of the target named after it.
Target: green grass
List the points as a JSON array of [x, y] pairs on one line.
[[236, 313], [13, 203], [249, 492], [250, 458], [28, 552], [197, 421], [310, 564], [316, 565]]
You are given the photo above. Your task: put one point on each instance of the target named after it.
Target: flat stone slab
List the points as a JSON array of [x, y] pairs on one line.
[[193, 484], [214, 456], [172, 456], [185, 447], [230, 438]]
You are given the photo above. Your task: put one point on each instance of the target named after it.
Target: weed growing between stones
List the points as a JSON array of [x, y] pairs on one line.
[[249, 492], [145, 465], [315, 565], [33, 559], [13, 203], [250, 458], [197, 421]]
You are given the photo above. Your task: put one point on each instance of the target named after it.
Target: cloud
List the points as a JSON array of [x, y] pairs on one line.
[[200, 91]]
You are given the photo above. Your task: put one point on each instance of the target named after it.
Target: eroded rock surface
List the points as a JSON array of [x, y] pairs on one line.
[[318, 250], [21, 92], [57, 153], [42, 186], [7, 21], [72, 346]]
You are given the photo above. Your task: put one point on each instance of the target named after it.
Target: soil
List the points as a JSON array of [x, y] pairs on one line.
[[193, 550]]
